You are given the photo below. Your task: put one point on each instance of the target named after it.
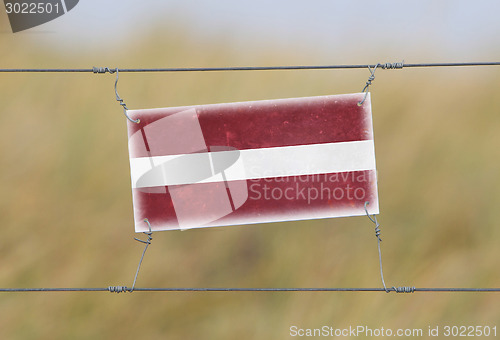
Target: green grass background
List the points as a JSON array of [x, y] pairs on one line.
[[66, 208]]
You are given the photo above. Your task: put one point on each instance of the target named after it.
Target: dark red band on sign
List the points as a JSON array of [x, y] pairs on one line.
[[271, 199], [264, 124]]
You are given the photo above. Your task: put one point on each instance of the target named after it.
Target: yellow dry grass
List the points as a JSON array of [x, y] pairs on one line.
[[66, 211]]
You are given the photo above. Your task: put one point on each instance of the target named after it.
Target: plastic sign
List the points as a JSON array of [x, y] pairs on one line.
[[252, 162]]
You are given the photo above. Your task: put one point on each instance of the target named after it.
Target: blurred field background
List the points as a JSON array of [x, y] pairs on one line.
[[66, 209]]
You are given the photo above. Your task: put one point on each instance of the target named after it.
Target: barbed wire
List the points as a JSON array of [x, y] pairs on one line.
[[398, 65]]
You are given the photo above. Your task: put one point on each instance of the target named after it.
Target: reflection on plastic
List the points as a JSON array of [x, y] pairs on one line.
[[196, 179]]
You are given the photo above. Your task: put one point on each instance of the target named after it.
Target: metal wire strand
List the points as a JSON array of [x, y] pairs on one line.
[[247, 68], [119, 289]]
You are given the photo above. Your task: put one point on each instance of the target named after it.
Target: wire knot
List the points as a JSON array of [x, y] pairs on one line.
[[118, 289], [368, 83], [103, 70], [374, 220], [402, 289], [392, 66], [378, 232], [148, 233]]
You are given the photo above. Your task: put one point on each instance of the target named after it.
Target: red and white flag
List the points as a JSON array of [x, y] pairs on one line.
[[252, 162]]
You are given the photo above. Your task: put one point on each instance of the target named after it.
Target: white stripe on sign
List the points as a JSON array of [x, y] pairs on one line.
[[252, 163]]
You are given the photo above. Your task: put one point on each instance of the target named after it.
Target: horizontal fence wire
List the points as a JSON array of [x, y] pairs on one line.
[[248, 68], [125, 289]]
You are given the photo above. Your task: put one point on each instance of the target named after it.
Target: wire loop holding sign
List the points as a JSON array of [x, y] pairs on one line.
[[377, 234], [118, 98], [147, 242], [122, 289], [368, 83], [385, 66]]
